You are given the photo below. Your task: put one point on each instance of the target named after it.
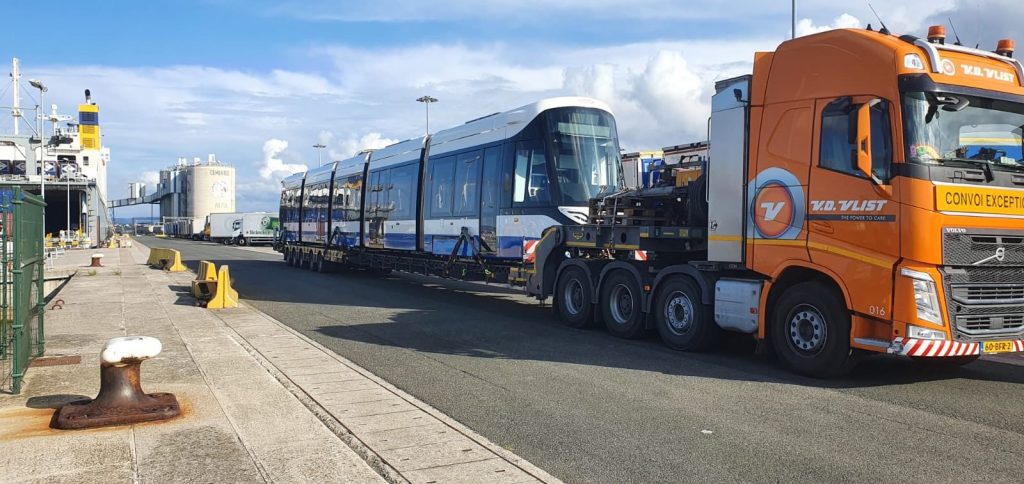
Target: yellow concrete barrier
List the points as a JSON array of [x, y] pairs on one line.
[[154, 257], [203, 285], [166, 259], [224, 296]]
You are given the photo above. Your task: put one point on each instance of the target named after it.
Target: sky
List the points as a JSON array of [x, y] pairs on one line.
[[259, 83]]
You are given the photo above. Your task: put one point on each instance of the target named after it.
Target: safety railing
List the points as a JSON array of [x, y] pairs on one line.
[[22, 300]]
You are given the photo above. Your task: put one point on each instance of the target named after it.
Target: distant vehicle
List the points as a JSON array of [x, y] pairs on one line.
[[225, 227], [257, 228]]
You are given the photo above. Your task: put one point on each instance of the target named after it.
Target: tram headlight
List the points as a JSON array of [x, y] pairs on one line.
[[926, 296]]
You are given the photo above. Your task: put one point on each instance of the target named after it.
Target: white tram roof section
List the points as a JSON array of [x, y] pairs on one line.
[[352, 166], [398, 153], [293, 181], [321, 174], [499, 126]]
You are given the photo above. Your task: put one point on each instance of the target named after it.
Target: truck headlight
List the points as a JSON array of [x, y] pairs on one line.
[[917, 332], [926, 296]]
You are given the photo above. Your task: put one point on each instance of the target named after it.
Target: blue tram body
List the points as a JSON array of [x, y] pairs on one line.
[[502, 179]]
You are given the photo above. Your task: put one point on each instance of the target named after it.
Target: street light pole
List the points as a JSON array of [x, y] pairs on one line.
[[426, 100], [319, 153]]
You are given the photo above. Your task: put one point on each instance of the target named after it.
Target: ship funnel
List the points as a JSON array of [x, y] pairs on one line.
[[88, 96]]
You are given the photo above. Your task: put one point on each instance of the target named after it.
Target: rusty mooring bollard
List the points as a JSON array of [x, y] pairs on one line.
[[121, 399], [97, 260]]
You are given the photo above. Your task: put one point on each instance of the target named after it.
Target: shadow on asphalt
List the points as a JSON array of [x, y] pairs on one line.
[[425, 317]]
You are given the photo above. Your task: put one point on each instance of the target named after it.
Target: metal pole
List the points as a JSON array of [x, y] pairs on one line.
[[794, 20], [42, 154], [68, 180], [320, 153], [427, 104]]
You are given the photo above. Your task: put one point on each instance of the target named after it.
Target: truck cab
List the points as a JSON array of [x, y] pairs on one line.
[[883, 176]]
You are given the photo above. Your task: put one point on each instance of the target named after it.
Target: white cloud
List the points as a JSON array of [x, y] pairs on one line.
[[348, 147], [845, 21], [273, 167], [151, 179]]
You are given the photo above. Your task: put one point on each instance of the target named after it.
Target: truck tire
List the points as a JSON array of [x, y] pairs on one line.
[[683, 322], [319, 264], [242, 242], [573, 298], [288, 257], [621, 305], [811, 331]]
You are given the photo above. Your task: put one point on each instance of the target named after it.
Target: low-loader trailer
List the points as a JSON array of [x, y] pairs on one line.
[[864, 193]]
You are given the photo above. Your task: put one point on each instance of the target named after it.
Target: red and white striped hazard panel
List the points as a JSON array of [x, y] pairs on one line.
[[921, 347]]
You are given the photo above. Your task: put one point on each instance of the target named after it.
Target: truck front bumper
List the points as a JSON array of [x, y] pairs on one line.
[[941, 348]]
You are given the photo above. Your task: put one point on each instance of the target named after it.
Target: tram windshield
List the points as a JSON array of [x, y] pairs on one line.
[[586, 154]]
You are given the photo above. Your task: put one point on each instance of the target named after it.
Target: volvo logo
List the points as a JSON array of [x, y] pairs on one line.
[[999, 256]]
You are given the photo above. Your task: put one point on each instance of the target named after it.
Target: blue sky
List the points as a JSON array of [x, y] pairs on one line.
[[259, 82]]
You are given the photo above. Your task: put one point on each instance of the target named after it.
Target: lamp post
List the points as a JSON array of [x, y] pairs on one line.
[[36, 83], [319, 153], [426, 100]]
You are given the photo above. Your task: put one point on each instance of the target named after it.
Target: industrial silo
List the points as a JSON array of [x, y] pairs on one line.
[[210, 189]]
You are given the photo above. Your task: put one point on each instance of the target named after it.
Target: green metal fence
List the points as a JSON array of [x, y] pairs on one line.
[[22, 302]]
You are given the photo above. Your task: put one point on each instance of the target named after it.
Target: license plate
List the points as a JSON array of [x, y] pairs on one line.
[[998, 347]]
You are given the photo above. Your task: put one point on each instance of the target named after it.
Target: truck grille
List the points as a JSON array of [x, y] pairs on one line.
[[988, 293], [985, 301], [990, 323], [982, 249]]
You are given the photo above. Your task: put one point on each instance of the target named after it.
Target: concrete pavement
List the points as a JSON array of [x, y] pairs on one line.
[[260, 402], [588, 407]]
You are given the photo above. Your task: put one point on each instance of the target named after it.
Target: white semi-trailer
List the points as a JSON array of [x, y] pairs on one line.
[[225, 227]]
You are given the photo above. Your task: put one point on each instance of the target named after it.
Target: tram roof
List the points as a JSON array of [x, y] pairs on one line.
[[499, 126]]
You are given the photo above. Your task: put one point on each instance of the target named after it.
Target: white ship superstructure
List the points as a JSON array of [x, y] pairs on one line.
[[59, 156]]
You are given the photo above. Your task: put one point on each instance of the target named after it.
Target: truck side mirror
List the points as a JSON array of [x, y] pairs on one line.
[[864, 139]]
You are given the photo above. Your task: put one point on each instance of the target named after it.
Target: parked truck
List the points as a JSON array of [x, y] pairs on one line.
[[864, 193], [225, 227], [257, 228]]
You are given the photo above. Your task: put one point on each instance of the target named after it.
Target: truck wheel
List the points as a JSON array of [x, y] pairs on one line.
[[811, 331], [684, 323], [621, 305], [573, 298], [288, 257], [945, 361], [242, 242], [319, 264]]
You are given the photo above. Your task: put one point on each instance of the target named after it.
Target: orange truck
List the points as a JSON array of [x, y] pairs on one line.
[[864, 193]]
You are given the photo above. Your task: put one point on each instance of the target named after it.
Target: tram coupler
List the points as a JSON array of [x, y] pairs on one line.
[[121, 399]]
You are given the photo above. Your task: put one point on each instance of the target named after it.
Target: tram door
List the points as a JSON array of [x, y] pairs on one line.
[[490, 193]]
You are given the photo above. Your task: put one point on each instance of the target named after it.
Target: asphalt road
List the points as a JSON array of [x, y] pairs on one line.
[[588, 407]]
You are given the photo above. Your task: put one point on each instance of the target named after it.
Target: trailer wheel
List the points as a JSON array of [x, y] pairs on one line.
[[684, 323], [319, 264], [811, 331], [573, 298], [288, 257], [621, 305]]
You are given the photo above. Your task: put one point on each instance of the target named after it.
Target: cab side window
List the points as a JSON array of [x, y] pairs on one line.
[[839, 133]]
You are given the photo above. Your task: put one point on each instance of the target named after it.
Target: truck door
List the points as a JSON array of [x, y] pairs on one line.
[[852, 219]]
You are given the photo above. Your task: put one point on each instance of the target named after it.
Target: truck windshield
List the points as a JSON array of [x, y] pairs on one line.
[[586, 154], [953, 128]]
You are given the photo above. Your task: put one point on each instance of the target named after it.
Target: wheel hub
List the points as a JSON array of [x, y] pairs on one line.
[[574, 297], [622, 304], [679, 313], [807, 329]]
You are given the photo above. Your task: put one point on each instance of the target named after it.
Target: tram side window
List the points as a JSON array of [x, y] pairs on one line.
[[532, 186], [402, 192], [467, 178], [442, 175]]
